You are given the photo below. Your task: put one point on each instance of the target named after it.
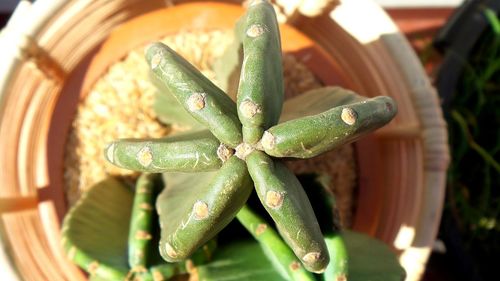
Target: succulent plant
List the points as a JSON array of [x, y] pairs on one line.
[[244, 143]]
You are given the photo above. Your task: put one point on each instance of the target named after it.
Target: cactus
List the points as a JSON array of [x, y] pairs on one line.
[[244, 143]]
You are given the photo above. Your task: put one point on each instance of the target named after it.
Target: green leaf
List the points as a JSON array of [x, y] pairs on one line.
[[369, 259], [194, 207], [95, 231], [240, 261], [169, 110], [316, 101]]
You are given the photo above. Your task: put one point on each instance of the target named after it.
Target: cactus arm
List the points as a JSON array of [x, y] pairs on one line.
[[140, 233], [194, 208], [284, 199], [327, 130], [199, 151], [260, 93], [275, 249], [200, 97]]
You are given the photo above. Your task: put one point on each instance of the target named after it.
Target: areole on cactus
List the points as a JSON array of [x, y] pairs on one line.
[[244, 142]]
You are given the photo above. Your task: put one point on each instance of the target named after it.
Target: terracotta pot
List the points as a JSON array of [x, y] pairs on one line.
[[401, 166]]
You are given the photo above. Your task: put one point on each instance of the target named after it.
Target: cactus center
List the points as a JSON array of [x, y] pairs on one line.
[[145, 156], [256, 30], [349, 116], [196, 101], [200, 210], [274, 199]]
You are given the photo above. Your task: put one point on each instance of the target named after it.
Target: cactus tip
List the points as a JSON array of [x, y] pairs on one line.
[[349, 116], [312, 258], [170, 251], [110, 152], [156, 60]]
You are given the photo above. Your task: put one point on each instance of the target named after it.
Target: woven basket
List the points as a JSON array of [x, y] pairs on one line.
[[402, 166]]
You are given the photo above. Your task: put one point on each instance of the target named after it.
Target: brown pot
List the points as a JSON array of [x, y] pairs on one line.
[[401, 167]]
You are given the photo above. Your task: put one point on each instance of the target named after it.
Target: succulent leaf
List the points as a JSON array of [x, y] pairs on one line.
[[194, 151], [168, 109], [316, 101], [240, 261], [328, 130], [275, 249], [95, 231], [193, 208], [208, 104], [371, 259], [285, 200], [260, 93]]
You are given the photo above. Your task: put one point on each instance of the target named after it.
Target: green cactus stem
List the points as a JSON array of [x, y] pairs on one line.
[[208, 104], [194, 209], [260, 93], [198, 151], [141, 224], [283, 197], [275, 249]]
